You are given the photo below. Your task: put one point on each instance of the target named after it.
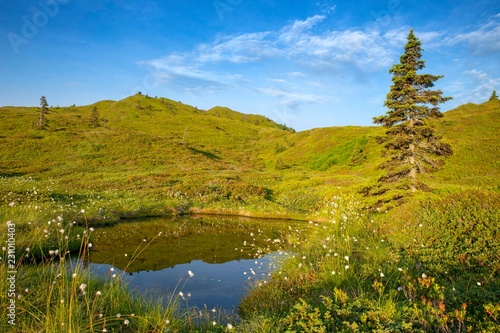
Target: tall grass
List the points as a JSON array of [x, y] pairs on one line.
[[389, 273], [56, 292], [431, 265]]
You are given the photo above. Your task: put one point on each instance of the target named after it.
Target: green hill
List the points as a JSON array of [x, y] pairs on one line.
[[162, 151], [474, 132]]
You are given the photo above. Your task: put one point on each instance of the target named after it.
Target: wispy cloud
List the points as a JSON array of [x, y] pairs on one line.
[[326, 6], [483, 85], [303, 51], [293, 100], [485, 40], [244, 48], [186, 74], [297, 43]]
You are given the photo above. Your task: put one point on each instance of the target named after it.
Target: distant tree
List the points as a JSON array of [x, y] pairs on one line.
[[280, 165], [410, 143], [185, 134], [44, 109], [94, 117], [494, 96]]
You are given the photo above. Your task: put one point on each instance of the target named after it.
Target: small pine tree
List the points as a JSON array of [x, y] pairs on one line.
[[494, 96], [94, 117], [44, 109], [410, 142]]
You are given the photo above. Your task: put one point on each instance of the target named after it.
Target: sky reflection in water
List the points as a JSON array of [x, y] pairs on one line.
[[212, 286], [226, 256]]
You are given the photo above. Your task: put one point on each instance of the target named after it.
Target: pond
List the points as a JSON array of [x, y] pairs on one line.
[[210, 262]]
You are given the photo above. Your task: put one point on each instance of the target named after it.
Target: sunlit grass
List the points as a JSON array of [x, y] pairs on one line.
[[354, 273], [429, 265]]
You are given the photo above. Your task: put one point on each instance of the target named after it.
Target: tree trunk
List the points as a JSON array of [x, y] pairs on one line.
[[40, 120], [413, 171], [413, 164]]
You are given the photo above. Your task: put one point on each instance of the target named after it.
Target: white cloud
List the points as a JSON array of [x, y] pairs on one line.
[[185, 74], [313, 57], [297, 74], [477, 74], [293, 100], [222, 65], [326, 6], [295, 32], [249, 47], [482, 85], [297, 43], [485, 40], [277, 80], [294, 96]]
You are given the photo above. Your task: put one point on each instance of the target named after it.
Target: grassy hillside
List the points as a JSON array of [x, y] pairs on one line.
[[430, 264], [474, 132], [166, 151]]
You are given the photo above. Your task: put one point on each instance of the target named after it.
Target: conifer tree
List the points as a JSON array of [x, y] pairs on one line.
[[44, 109], [494, 96], [94, 117], [410, 143]]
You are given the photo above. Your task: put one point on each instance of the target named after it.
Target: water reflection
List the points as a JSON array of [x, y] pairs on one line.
[[224, 254]]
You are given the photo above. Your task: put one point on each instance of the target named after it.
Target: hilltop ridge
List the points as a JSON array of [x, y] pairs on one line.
[[155, 147]]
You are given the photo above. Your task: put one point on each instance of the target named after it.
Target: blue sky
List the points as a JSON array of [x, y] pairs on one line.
[[302, 63]]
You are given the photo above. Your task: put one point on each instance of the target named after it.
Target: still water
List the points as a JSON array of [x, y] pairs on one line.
[[209, 262]]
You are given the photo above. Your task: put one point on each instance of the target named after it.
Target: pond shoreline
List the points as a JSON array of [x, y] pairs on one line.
[[123, 215]]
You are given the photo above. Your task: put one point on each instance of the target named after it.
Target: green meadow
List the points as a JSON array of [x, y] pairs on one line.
[[426, 262]]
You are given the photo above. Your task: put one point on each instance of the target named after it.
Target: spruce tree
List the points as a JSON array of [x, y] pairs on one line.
[[410, 142], [94, 117], [44, 109], [494, 96]]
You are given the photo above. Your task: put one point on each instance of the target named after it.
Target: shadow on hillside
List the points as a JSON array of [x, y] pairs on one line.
[[205, 153], [12, 174]]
